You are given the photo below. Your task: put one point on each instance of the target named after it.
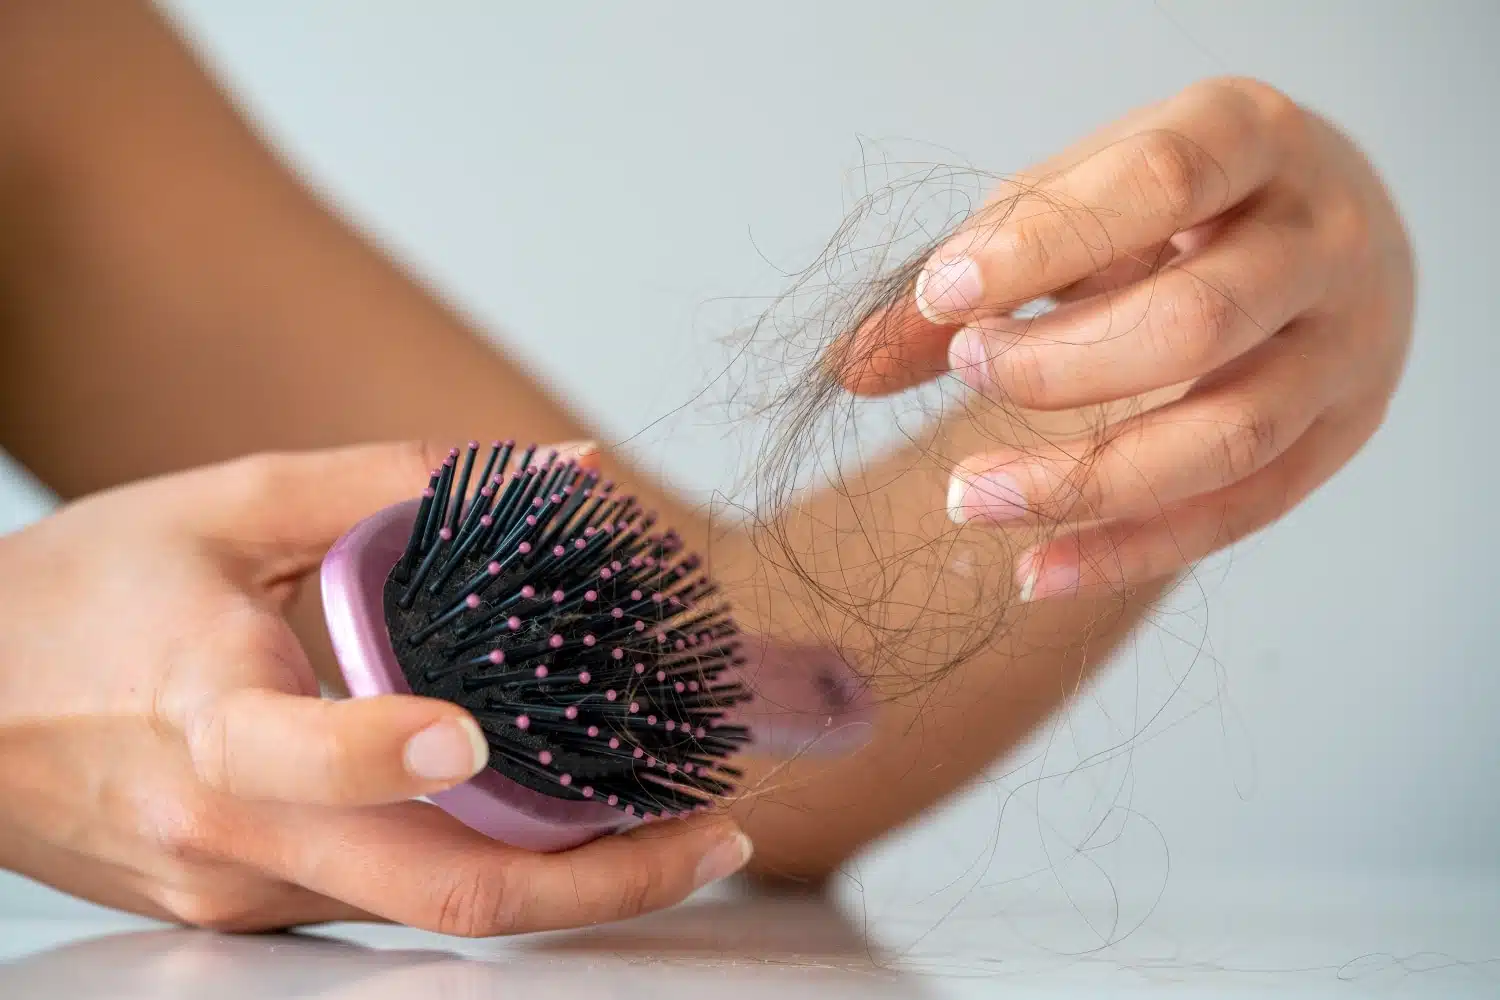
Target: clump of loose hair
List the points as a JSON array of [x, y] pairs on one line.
[[792, 368]]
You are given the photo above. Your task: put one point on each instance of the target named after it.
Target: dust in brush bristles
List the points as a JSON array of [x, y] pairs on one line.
[[588, 645]]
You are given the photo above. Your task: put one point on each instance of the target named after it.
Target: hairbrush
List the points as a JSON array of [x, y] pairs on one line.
[[608, 678]]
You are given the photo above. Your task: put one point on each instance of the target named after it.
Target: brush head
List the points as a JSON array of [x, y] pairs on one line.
[[588, 645]]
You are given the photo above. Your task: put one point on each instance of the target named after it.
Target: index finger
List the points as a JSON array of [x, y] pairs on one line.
[[414, 864], [293, 506], [1182, 163]]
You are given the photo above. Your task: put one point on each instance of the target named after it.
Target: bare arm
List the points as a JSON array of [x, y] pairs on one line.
[[173, 296]]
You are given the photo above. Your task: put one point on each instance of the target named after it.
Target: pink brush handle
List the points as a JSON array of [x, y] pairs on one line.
[[807, 700]]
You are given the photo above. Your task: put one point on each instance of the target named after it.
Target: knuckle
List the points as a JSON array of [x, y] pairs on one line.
[[337, 768], [1261, 106], [1347, 223], [1270, 102], [1196, 319], [1280, 116], [1020, 372], [1248, 441], [208, 747], [1032, 252], [1171, 175], [1106, 480], [188, 830], [481, 903], [1267, 117], [218, 908], [258, 477], [635, 890], [1097, 491], [1212, 312]]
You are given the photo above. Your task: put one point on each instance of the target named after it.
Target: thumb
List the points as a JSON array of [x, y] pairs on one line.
[[260, 743], [293, 506], [241, 697]]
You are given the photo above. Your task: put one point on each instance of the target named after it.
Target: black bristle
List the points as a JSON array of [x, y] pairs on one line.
[[462, 490], [419, 530], [439, 502], [585, 643]]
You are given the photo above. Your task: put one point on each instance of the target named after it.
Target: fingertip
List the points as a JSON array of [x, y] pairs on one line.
[[581, 451], [948, 287], [996, 488], [958, 487], [969, 358], [1028, 565], [448, 751], [892, 349], [919, 294], [728, 856], [711, 847], [1048, 570]]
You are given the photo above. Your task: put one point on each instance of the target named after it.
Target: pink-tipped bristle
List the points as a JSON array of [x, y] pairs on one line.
[[556, 611]]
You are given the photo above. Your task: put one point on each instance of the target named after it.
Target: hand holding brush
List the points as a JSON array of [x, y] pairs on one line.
[[166, 750]]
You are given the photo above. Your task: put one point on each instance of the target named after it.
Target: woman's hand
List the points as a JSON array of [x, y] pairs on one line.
[[163, 748], [1227, 247]]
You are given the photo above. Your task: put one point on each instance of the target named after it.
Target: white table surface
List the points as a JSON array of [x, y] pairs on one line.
[[1437, 937]]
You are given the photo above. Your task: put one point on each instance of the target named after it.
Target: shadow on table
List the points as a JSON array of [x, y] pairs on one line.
[[789, 946]]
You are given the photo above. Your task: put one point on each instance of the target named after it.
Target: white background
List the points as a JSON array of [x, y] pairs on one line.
[[592, 187]]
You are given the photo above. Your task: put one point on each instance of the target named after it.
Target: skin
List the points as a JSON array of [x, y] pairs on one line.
[[162, 276], [1227, 255], [230, 795]]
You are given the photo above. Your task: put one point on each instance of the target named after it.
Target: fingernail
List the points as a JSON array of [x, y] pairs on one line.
[[1038, 580], [946, 288], [723, 860], [447, 751], [995, 496], [969, 359]]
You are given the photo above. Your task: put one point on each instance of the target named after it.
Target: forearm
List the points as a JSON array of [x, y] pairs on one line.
[[175, 296]]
